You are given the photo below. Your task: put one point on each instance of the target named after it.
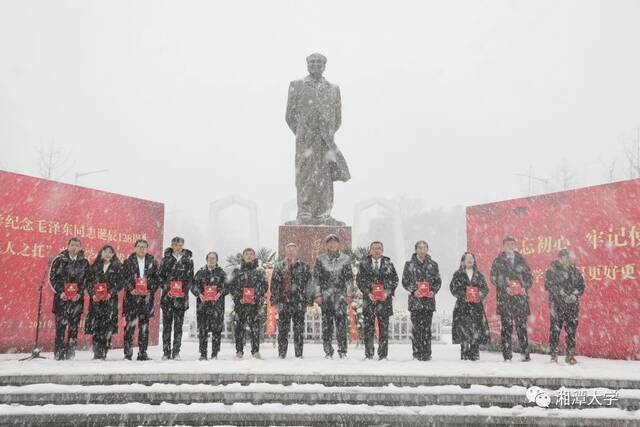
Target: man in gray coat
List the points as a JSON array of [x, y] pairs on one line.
[[314, 115], [333, 284]]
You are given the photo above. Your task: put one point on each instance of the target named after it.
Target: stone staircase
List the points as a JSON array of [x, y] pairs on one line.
[[303, 399]]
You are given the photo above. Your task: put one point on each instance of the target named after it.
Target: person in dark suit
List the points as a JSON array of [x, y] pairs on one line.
[[565, 284], [470, 327], [176, 278], [512, 277], [140, 282], [291, 294], [377, 280], [421, 278], [68, 276]]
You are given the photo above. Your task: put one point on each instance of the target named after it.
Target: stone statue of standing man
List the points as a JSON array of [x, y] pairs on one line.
[[314, 115]]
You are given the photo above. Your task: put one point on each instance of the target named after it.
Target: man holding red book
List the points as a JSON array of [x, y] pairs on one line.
[[140, 277], [421, 278], [248, 285], [512, 277], [377, 280], [210, 288], [68, 276], [176, 277]]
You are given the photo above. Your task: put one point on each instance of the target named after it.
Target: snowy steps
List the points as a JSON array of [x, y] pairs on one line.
[[373, 380], [280, 399], [263, 393], [276, 414]]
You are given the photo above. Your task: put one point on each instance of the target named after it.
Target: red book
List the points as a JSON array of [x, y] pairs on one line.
[[175, 289], [210, 293], [141, 286], [424, 290], [515, 288], [377, 292], [100, 292], [70, 291], [248, 296], [472, 294]]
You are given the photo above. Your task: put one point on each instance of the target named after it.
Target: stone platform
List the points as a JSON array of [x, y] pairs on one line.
[[310, 239]]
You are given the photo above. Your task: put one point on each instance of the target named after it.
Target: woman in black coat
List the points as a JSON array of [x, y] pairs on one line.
[[106, 272], [470, 327]]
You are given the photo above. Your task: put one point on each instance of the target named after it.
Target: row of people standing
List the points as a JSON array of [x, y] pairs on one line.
[[377, 280], [295, 286], [140, 276]]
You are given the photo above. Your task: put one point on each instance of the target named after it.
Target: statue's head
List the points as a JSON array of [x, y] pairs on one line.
[[316, 63]]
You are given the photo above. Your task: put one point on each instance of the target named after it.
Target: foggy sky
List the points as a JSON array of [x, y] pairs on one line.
[[184, 101]]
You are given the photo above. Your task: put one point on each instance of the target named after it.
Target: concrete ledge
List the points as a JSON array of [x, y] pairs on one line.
[[270, 418], [328, 380], [355, 397]]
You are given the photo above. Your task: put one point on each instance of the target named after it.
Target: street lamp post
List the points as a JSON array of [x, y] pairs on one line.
[[81, 174]]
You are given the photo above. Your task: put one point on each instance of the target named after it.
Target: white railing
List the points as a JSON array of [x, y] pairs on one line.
[[399, 328]]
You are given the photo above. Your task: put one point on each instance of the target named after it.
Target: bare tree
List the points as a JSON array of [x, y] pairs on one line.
[[632, 154], [610, 168], [564, 176], [53, 163]]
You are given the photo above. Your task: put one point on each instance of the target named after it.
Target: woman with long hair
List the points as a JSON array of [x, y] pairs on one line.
[[103, 290], [470, 327]]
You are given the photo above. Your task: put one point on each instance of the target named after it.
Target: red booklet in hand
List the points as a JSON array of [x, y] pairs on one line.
[[141, 286], [70, 291], [472, 294], [514, 288], [377, 292], [210, 293], [424, 290], [248, 296], [175, 289], [100, 292]]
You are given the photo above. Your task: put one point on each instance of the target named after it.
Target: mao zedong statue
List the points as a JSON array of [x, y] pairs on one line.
[[314, 115]]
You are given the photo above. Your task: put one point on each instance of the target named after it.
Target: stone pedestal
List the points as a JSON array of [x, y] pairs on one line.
[[310, 239]]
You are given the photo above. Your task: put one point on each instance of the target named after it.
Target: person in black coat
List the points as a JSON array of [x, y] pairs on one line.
[[176, 278], [210, 288], [248, 287], [140, 281], [470, 327], [333, 286], [421, 278], [290, 294], [512, 277], [565, 284], [104, 284], [69, 271], [377, 280]]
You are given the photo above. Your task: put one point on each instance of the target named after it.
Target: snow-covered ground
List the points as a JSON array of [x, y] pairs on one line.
[[445, 362]]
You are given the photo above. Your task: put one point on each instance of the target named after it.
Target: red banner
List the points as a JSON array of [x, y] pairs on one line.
[[37, 218], [601, 225], [271, 323]]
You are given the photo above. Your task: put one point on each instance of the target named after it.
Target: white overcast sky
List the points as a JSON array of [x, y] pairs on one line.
[[446, 101]]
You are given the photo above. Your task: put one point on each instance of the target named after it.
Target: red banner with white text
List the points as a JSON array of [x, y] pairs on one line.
[[601, 225], [37, 218]]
